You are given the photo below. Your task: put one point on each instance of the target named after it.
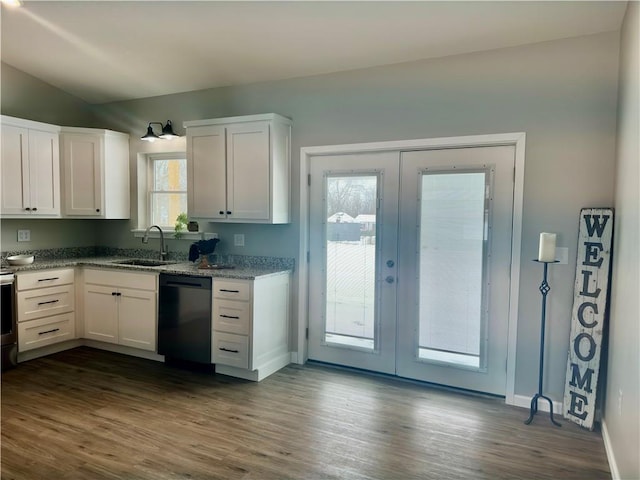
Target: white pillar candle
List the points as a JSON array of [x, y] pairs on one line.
[[547, 248]]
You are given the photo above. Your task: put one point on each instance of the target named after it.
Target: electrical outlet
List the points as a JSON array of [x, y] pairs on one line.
[[24, 235], [238, 239]]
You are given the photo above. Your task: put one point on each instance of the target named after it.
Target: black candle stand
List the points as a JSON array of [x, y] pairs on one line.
[[544, 290]]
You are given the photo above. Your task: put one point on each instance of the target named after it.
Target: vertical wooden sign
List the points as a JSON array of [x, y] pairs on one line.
[[588, 315]]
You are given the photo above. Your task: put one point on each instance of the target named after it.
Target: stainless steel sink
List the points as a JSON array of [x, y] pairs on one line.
[[142, 262]]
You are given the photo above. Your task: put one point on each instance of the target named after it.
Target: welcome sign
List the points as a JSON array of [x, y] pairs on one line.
[[588, 315]]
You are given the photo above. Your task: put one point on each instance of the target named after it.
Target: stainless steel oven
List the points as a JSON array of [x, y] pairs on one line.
[[9, 325]]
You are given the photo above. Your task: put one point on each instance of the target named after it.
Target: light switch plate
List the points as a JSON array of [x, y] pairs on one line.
[[24, 235], [238, 239]]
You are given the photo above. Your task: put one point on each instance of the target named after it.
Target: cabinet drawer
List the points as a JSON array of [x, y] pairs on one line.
[[231, 290], [44, 302], [46, 331], [44, 278], [140, 281], [231, 317], [232, 350]]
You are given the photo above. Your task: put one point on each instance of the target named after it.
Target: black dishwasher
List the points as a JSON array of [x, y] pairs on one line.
[[184, 318]]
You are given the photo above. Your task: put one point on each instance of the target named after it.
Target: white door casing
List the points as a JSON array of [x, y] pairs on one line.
[[517, 139]]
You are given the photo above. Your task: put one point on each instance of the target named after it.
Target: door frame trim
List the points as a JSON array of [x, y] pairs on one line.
[[517, 139]]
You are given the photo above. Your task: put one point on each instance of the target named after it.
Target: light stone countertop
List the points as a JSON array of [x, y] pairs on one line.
[[179, 268]]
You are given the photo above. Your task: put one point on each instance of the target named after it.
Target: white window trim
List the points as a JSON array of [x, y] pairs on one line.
[[151, 158], [144, 188]]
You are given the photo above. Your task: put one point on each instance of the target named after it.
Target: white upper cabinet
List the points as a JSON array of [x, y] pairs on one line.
[[95, 176], [30, 169], [239, 168]]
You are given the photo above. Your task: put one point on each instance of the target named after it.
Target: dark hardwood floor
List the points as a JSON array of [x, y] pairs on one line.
[[89, 414]]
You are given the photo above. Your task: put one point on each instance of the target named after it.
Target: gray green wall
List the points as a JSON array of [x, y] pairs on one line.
[[53, 233], [561, 93], [28, 97], [622, 409]]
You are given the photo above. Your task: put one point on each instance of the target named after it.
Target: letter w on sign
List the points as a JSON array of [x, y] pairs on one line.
[[589, 315]]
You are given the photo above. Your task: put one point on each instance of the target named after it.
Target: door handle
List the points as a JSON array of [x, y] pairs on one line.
[[390, 279]]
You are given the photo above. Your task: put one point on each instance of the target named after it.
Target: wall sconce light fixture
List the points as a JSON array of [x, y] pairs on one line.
[[167, 132]]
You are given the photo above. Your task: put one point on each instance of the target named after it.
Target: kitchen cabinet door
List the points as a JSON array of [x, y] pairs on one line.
[[100, 313], [206, 172], [15, 170], [30, 172], [44, 173], [137, 313], [248, 172], [96, 173], [82, 174]]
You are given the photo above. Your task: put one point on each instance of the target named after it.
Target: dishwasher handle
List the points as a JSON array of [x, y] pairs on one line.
[[180, 281]]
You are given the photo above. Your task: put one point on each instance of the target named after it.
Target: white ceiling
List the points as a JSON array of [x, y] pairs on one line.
[[103, 51]]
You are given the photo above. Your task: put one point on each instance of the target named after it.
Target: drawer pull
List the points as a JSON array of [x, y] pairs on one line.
[[229, 350], [229, 291], [230, 316], [48, 279], [49, 331], [50, 301]]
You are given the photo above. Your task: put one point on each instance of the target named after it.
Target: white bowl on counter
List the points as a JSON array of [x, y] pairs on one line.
[[20, 259]]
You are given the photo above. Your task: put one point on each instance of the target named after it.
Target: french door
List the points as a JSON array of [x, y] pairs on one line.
[[409, 263]]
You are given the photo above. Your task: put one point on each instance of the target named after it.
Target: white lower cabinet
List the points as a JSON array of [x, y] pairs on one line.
[[251, 326], [121, 308], [45, 308]]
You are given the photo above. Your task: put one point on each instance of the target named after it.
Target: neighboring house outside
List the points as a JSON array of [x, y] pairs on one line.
[[367, 223]]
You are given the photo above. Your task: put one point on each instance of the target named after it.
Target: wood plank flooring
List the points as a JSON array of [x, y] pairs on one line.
[[89, 414]]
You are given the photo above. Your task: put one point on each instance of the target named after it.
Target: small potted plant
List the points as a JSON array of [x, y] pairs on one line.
[[180, 225], [193, 226]]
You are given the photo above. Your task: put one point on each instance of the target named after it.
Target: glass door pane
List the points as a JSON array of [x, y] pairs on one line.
[[350, 246], [452, 238]]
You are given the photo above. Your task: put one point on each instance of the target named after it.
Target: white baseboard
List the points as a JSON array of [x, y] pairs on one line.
[[49, 350], [543, 405], [613, 466], [294, 357], [133, 352], [80, 342]]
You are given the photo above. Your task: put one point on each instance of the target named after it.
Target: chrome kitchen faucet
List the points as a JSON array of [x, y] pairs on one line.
[[145, 239]]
